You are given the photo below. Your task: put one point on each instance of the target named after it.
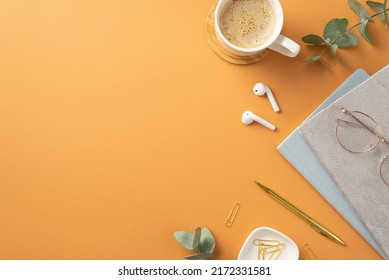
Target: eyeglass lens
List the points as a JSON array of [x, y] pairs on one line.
[[357, 132], [384, 169]]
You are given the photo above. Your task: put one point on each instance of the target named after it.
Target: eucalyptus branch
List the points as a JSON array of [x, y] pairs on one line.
[[337, 35], [359, 23]]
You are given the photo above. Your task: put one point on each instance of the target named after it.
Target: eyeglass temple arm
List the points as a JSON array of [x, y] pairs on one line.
[[386, 141]]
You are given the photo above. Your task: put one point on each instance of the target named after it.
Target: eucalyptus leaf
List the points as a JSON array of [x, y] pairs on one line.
[[196, 238], [198, 256], [185, 238], [313, 39], [380, 9], [362, 28], [360, 10], [313, 58], [334, 48], [336, 31], [207, 242], [377, 7]]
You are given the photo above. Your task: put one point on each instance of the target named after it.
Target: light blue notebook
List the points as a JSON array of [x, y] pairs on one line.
[[300, 155]]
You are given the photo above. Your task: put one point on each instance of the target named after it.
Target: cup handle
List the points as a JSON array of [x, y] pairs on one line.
[[285, 46]]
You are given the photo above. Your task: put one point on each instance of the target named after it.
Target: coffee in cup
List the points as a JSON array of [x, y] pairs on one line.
[[247, 23]]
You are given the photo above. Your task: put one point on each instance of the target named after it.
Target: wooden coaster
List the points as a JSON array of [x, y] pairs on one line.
[[221, 51]]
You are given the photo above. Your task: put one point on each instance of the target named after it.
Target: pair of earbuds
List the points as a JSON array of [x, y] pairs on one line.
[[248, 117]]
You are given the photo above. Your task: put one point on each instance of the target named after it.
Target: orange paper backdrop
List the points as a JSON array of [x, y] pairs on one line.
[[119, 125]]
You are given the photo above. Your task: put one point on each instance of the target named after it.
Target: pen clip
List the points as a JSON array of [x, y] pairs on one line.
[[320, 229], [315, 227]]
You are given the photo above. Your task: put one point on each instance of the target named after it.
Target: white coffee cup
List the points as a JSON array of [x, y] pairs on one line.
[[276, 41]]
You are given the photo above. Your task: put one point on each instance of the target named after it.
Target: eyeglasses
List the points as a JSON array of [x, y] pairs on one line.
[[358, 133]]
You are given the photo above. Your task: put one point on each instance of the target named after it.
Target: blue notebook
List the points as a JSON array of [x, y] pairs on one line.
[[300, 155]]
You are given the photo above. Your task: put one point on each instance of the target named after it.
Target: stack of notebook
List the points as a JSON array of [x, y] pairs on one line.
[[349, 182]]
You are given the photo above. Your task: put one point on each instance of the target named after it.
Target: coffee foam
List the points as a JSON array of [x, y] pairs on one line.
[[247, 23]]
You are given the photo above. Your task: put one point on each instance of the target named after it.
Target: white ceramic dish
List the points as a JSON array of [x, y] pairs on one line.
[[249, 251]]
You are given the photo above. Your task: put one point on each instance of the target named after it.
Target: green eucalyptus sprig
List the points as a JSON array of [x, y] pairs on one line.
[[337, 34], [201, 241]]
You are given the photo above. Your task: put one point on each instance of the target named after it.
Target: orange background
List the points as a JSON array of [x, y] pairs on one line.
[[119, 125]]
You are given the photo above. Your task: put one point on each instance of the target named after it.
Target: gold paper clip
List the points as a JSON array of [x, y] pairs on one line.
[[269, 249], [266, 242], [231, 217], [270, 252], [310, 253]]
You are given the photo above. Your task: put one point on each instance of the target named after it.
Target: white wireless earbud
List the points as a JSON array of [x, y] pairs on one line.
[[248, 117], [260, 89]]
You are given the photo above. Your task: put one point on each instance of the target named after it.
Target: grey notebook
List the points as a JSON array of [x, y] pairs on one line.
[[300, 156], [357, 175]]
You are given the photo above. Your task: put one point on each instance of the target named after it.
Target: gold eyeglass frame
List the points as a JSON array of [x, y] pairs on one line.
[[380, 136]]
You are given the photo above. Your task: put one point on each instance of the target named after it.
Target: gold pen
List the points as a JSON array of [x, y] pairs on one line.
[[316, 226]]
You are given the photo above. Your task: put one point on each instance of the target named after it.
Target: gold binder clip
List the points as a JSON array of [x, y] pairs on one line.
[[309, 251], [231, 217]]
